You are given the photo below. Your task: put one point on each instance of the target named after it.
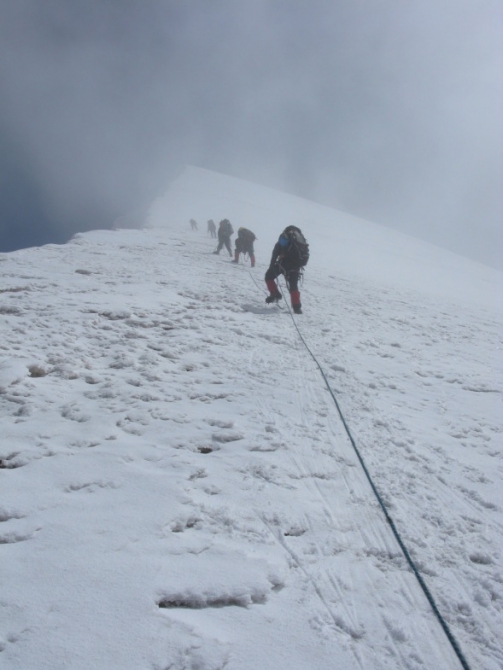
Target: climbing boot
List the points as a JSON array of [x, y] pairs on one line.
[[274, 297]]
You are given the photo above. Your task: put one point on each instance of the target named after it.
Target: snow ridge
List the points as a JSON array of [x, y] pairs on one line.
[[178, 491]]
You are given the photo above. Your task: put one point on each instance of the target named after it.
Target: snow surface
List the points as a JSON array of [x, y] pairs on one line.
[[177, 490]]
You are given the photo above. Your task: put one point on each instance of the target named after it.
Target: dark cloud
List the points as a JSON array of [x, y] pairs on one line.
[[387, 110]]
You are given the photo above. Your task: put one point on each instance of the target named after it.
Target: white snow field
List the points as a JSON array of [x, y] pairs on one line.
[[177, 490]]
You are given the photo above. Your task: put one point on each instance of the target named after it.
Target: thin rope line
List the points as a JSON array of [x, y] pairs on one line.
[[254, 281], [390, 521]]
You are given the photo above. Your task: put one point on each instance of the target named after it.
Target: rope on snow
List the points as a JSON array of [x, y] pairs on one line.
[[424, 587]]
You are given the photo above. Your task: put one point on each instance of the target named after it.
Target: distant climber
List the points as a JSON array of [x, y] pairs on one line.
[[225, 230], [244, 245], [289, 256], [212, 229], [193, 224]]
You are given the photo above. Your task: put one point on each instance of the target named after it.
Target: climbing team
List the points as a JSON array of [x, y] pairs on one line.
[[244, 245], [289, 256]]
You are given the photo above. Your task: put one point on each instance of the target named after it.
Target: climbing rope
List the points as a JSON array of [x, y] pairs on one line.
[[260, 288], [390, 521]]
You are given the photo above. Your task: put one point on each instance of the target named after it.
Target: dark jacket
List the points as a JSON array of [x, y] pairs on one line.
[[281, 257], [225, 229]]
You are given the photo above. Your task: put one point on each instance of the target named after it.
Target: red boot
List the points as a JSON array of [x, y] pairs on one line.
[[273, 290], [272, 286], [295, 298], [252, 260]]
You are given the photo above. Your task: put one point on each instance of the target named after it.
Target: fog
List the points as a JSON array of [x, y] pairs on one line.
[[390, 111]]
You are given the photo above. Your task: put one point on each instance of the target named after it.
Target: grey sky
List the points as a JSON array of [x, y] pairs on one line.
[[390, 110]]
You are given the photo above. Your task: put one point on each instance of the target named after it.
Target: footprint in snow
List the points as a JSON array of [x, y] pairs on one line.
[[220, 424], [227, 437], [12, 461], [7, 515]]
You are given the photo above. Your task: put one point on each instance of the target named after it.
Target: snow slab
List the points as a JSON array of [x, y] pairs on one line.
[[177, 489]]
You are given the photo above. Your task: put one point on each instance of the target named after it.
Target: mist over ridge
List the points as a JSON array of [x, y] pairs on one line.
[[390, 111]]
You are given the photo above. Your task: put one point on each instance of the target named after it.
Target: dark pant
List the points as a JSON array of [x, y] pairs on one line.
[[224, 241], [291, 275]]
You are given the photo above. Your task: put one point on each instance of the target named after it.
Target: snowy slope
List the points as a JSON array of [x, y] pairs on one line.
[[177, 490], [340, 242]]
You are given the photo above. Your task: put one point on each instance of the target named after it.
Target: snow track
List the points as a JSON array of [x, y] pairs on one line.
[[179, 492]]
